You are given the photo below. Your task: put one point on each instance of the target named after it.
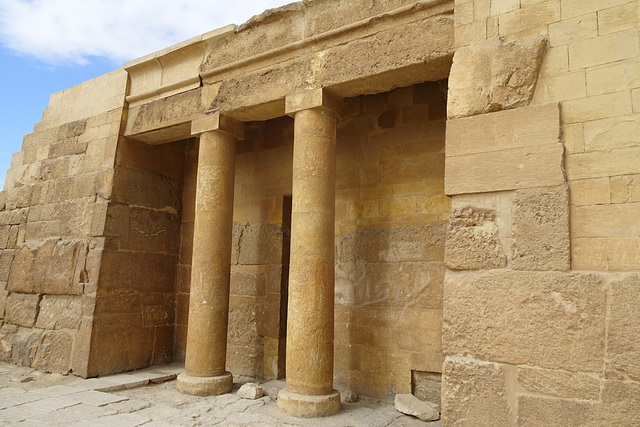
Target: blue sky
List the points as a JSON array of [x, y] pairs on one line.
[[50, 45]]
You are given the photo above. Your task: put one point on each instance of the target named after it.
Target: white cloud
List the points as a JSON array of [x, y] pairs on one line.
[[64, 31]]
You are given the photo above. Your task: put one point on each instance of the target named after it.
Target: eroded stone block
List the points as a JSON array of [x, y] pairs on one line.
[[548, 319], [54, 352], [59, 312], [541, 229], [472, 240], [623, 351], [562, 384], [494, 75], [473, 393], [22, 309]]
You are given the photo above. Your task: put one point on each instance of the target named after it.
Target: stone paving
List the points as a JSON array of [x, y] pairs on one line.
[[149, 398]]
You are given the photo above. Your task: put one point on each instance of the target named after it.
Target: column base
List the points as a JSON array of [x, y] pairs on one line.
[[205, 386], [306, 406]]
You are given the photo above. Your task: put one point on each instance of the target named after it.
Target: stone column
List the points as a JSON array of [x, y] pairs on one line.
[[309, 356], [211, 264]]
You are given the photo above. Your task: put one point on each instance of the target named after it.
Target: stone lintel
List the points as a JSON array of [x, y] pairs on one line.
[[313, 99], [215, 121]]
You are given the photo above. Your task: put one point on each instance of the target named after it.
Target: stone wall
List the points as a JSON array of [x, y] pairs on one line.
[[542, 159], [135, 295], [391, 215], [52, 224]]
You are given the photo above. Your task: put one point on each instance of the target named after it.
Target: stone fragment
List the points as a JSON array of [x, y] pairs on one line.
[[250, 391], [473, 393], [494, 75], [541, 229], [349, 396], [472, 240], [411, 405]]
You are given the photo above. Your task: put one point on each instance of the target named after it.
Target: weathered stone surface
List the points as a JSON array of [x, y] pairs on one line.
[[541, 229], [545, 411], [59, 312], [7, 334], [260, 244], [623, 352], [22, 309], [20, 279], [548, 319], [472, 240], [427, 386], [250, 391], [54, 352], [411, 405], [563, 384], [6, 259], [473, 393], [494, 75], [25, 346]]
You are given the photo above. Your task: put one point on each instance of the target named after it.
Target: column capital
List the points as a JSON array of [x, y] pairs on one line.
[[215, 121], [315, 98]]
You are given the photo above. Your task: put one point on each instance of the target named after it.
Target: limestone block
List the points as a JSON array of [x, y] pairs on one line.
[[623, 354], [544, 411], [620, 404], [591, 191], [472, 240], [571, 30], [134, 349], [54, 352], [606, 253], [427, 386], [604, 49], [619, 220], [139, 271], [22, 309], [249, 280], [411, 405], [622, 161], [597, 107], [541, 229], [24, 346], [610, 133], [59, 312], [158, 309], [473, 392], [6, 259], [148, 230], [625, 189], [7, 334], [563, 384], [260, 244], [3, 199], [20, 279], [552, 320], [618, 18], [151, 190], [494, 75], [20, 197], [402, 243], [165, 112], [58, 265]]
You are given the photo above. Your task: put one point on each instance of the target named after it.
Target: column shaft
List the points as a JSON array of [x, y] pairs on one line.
[[210, 271], [311, 273], [309, 388]]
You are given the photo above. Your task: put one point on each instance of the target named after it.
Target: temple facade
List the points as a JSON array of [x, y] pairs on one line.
[[434, 197]]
